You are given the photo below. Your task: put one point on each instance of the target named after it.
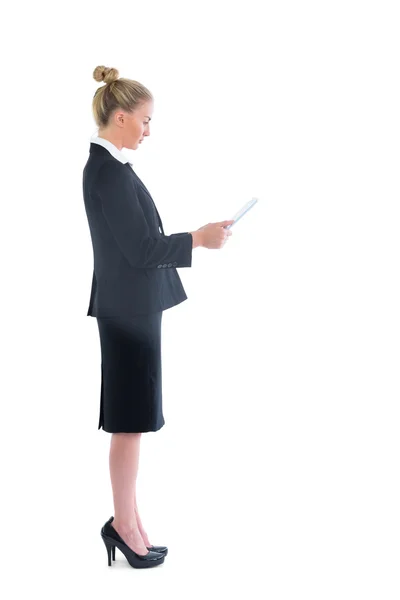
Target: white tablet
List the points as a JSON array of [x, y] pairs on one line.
[[242, 211]]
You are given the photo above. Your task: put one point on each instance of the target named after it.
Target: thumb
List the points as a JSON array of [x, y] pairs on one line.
[[224, 223]]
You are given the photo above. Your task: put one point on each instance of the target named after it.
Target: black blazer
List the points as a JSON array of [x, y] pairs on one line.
[[134, 262]]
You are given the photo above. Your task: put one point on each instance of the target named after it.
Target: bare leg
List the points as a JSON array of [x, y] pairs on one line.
[[141, 528], [124, 463]]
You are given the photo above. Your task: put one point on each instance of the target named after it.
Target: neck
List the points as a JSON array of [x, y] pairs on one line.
[[109, 136]]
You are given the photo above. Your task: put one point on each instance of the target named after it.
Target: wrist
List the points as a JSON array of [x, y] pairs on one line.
[[197, 238]]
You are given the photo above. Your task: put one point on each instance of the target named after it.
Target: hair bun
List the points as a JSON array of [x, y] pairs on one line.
[[105, 74]]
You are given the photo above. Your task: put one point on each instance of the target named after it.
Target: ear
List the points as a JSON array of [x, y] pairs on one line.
[[119, 118]]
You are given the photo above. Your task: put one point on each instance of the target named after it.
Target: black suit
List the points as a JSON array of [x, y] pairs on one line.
[[134, 262]]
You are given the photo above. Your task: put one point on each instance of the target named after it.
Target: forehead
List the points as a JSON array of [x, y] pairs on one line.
[[145, 109]]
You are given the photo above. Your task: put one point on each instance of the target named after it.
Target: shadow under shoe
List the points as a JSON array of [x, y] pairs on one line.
[[112, 540]]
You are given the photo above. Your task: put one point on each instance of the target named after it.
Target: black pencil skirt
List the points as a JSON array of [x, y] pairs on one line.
[[131, 386]]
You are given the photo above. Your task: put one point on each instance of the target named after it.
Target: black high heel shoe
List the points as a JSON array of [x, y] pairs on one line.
[[161, 549], [112, 540]]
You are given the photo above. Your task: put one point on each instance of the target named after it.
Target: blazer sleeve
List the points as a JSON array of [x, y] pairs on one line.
[[121, 208]]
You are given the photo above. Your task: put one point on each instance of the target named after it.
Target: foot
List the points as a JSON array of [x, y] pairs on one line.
[[132, 538], [141, 530]]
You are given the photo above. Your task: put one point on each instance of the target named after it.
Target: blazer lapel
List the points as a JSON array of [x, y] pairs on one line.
[[144, 188], [149, 195]]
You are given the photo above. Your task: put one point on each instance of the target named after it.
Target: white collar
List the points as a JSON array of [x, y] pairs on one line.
[[111, 148]]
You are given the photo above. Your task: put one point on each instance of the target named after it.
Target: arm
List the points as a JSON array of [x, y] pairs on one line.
[[196, 237], [124, 215]]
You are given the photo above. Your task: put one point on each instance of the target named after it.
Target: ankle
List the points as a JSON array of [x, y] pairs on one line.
[[125, 526]]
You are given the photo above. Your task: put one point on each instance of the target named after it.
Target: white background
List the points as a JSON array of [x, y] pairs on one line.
[[276, 474]]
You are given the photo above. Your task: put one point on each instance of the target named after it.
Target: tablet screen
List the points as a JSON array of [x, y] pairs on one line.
[[243, 211]]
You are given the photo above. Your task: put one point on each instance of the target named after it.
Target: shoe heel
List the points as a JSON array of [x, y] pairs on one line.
[[110, 550]]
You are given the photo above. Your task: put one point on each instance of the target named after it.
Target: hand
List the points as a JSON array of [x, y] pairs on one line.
[[214, 236]]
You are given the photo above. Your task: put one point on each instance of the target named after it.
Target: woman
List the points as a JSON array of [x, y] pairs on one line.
[[134, 281]]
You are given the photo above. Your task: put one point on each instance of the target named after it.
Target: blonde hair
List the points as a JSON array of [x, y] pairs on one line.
[[125, 94]]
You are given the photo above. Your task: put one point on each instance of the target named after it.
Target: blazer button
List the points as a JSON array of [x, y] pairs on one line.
[[159, 266], [174, 264], [170, 264], [165, 266]]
